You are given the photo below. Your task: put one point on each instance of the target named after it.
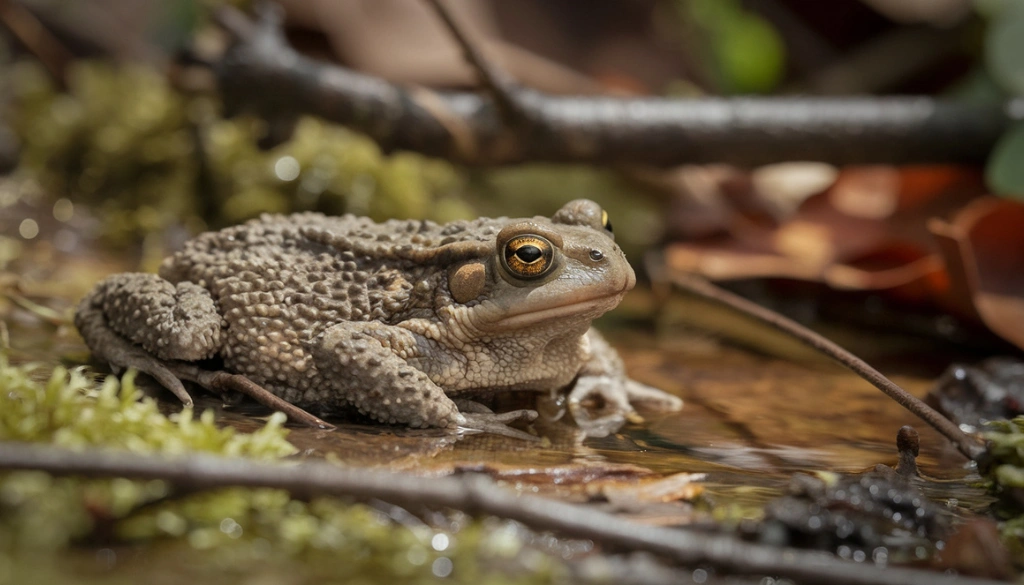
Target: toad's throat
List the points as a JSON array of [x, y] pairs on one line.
[[595, 306]]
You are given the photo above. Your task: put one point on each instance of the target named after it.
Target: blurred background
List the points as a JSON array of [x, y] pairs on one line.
[[114, 150]]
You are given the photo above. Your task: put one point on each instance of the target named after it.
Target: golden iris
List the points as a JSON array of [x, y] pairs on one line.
[[605, 222], [528, 256]]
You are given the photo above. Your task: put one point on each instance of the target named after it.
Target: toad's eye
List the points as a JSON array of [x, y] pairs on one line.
[[528, 256], [605, 222]]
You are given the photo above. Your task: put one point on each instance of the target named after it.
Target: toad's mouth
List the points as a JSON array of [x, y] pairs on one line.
[[596, 306]]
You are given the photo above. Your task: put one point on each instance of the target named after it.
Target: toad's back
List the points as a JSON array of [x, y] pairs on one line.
[[279, 282], [312, 242]]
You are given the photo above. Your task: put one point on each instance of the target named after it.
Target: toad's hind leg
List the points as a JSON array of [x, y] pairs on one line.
[[141, 320]]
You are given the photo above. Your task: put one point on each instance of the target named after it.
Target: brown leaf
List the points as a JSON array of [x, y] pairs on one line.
[[662, 502], [679, 486], [983, 248], [405, 41], [869, 231], [580, 473]]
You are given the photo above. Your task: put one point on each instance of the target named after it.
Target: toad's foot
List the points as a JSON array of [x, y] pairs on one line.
[[602, 397], [497, 424], [121, 354], [602, 404], [652, 398], [144, 322], [363, 365]]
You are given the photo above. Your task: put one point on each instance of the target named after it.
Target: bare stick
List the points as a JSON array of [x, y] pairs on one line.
[[36, 38], [480, 495], [970, 447], [262, 74], [501, 85]]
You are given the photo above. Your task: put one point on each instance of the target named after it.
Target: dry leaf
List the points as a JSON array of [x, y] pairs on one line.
[[984, 252], [882, 228]]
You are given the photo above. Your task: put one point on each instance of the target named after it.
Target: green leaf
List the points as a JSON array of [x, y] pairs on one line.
[[992, 8], [1004, 46], [1004, 172], [751, 54], [175, 23]]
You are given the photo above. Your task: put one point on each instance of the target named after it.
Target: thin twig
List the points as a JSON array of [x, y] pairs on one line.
[[36, 38], [474, 494], [262, 74], [501, 85], [968, 446]]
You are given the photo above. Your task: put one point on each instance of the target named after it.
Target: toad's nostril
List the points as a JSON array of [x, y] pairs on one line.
[[596, 255]]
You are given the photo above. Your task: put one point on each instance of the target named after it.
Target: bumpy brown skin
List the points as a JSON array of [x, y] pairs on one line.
[[393, 319]]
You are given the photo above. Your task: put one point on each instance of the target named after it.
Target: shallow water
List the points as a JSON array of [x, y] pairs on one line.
[[758, 408], [754, 415], [749, 423]]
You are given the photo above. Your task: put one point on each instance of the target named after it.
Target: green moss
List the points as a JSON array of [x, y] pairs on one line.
[[118, 140], [70, 410], [325, 168], [1005, 478], [145, 157], [1006, 448], [231, 533]]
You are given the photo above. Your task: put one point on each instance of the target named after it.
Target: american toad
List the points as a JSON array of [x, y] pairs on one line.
[[399, 319]]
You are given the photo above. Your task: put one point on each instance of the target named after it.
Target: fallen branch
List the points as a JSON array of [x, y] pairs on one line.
[[970, 447], [262, 74], [475, 494]]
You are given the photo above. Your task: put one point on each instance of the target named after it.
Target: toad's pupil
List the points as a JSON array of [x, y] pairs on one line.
[[529, 253]]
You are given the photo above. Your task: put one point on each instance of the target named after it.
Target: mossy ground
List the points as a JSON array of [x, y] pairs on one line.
[[82, 530], [146, 158], [1005, 478]]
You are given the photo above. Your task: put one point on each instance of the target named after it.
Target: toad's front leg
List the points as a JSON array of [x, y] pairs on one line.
[[603, 377], [365, 364]]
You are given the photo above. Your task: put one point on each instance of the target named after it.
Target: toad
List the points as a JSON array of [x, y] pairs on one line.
[[404, 321]]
